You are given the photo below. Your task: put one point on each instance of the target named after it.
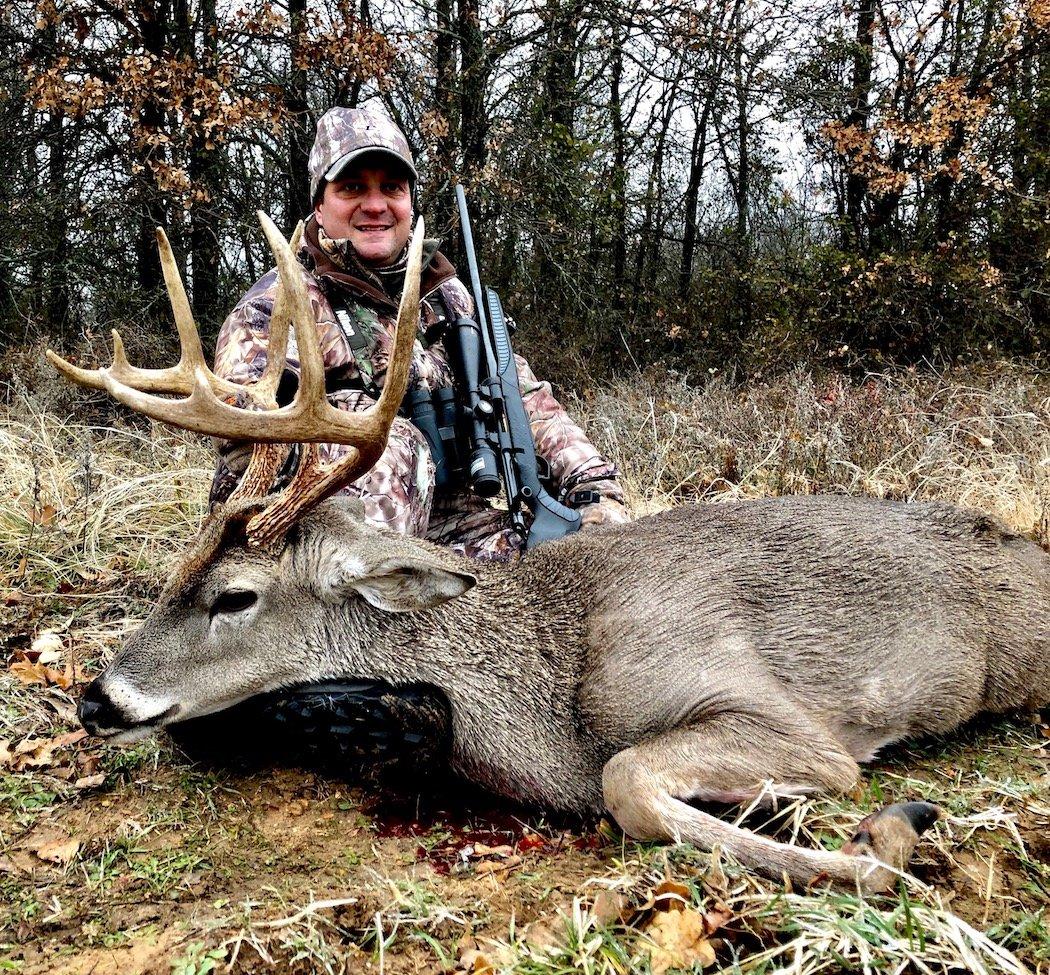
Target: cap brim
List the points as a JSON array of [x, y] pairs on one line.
[[343, 162]]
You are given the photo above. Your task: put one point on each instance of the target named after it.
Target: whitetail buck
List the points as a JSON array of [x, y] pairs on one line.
[[699, 655]]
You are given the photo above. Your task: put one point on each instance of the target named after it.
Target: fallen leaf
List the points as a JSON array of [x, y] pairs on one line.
[[18, 862], [481, 850], [69, 738], [43, 516], [531, 841], [541, 935], [90, 781], [608, 907], [38, 752], [37, 673], [475, 963], [679, 941], [28, 672], [470, 958], [716, 917], [58, 699], [487, 867], [60, 851], [670, 895]]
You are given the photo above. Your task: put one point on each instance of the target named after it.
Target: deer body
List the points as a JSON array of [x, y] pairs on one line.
[[865, 622], [707, 654], [699, 655]]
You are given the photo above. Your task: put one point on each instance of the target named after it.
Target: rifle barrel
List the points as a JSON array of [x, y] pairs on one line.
[[472, 261]]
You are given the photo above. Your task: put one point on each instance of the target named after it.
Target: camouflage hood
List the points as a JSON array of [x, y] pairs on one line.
[[346, 134]]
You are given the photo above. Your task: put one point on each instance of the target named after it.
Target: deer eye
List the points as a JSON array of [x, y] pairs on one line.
[[233, 601]]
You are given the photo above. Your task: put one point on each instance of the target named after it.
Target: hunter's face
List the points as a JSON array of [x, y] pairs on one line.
[[372, 206]]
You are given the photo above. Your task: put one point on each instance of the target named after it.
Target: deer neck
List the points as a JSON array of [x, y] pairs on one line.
[[510, 668]]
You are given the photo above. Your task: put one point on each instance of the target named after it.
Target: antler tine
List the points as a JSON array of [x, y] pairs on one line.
[[277, 348], [311, 365], [268, 458], [192, 356], [399, 365], [312, 483], [179, 378]]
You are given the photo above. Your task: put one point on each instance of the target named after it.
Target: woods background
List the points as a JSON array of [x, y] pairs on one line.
[[741, 181]]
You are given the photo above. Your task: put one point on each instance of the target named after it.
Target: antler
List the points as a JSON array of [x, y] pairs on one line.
[[309, 419], [176, 379]]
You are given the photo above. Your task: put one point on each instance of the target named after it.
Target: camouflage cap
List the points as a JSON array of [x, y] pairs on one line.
[[346, 134]]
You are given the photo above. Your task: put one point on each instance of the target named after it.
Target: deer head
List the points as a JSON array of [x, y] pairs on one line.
[[245, 609]]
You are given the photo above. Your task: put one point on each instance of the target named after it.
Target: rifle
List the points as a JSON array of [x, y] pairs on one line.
[[494, 421]]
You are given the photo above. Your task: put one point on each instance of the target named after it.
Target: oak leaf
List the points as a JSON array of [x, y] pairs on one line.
[[679, 941], [60, 851]]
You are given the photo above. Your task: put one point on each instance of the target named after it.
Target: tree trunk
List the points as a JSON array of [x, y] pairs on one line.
[[298, 204], [743, 184], [859, 114], [649, 237], [154, 21], [692, 197], [204, 167], [58, 303], [473, 79], [619, 173], [445, 103]]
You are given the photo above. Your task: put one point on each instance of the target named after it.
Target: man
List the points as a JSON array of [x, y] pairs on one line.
[[354, 250]]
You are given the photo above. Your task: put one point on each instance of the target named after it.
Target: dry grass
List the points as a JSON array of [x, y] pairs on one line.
[[975, 440], [92, 516]]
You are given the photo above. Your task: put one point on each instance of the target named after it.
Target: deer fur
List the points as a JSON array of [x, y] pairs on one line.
[[694, 656]]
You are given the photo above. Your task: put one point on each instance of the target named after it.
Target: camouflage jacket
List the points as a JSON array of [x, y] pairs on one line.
[[399, 491]]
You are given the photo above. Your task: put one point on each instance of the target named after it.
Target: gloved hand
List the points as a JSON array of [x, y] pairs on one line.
[[604, 512]]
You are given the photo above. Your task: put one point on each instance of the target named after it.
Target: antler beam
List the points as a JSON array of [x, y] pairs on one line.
[[308, 419]]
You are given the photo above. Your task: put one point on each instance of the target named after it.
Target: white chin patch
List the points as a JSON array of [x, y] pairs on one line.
[[137, 707], [135, 734]]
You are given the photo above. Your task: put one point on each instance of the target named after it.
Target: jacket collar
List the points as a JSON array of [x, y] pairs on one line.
[[436, 273]]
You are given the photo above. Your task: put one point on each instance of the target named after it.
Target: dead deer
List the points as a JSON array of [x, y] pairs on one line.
[[706, 654]]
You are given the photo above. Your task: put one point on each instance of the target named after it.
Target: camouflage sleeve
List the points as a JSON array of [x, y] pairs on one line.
[[574, 460], [240, 352]]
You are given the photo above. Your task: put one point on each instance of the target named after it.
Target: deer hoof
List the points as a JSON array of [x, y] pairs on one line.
[[891, 833]]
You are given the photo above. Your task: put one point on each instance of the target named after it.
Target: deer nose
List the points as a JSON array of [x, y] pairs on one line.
[[97, 712]]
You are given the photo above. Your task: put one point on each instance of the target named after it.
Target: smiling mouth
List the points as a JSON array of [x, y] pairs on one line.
[[372, 228]]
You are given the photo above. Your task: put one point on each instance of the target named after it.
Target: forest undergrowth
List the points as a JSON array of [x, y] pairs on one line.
[[137, 859]]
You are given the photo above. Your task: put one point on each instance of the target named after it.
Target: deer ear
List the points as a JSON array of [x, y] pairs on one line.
[[403, 584]]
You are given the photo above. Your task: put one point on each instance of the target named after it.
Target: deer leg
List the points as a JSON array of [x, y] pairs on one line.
[[647, 788]]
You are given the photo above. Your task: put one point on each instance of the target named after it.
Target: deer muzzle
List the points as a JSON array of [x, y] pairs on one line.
[[114, 709]]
